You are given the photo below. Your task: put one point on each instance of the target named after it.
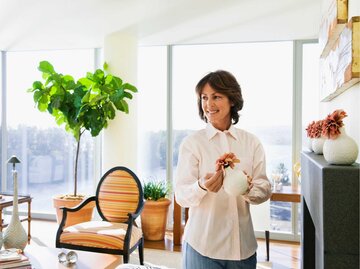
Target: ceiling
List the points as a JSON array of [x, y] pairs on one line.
[[61, 24]]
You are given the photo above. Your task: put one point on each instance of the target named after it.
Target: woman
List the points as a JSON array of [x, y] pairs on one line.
[[219, 232]]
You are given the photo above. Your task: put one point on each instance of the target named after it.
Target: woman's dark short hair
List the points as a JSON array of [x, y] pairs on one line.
[[225, 83]]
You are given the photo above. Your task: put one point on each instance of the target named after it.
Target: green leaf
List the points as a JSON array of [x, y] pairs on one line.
[[126, 106], [46, 67], [37, 96], [108, 79], [42, 107], [118, 82], [106, 89], [37, 85], [86, 97], [88, 83], [99, 75], [105, 66], [130, 87], [128, 95], [155, 190], [56, 101], [109, 110]]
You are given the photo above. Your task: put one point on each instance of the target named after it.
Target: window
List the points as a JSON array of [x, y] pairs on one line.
[[310, 95], [310, 87], [46, 151], [152, 135], [265, 73]]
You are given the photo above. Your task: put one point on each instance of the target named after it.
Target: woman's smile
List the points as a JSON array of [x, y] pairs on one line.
[[216, 107]]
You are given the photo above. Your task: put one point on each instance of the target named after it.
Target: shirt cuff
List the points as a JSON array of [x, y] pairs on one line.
[[200, 184]]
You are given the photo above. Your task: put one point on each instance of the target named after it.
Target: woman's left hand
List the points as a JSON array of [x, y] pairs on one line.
[[213, 181], [249, 180]]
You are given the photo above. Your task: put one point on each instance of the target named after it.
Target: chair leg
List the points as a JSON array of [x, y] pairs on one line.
[[267, 240], [141, 251], [126, 258]]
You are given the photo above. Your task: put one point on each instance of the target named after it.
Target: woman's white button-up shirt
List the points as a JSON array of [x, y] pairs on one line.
[[219, 225]]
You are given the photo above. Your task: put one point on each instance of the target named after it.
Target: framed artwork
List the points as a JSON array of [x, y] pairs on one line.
[[340, 69], [334, 19]]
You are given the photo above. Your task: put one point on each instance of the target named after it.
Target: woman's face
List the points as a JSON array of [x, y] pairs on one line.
[[216, 108]]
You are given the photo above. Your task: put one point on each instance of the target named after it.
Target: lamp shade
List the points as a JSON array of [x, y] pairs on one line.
[[13, 159]]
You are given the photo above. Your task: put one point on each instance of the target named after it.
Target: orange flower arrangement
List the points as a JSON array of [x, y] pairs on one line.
[[309, 130], [332, 124], [317, 128], [314, 129]]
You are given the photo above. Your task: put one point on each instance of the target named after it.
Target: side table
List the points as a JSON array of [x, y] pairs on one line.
[[7, 201]]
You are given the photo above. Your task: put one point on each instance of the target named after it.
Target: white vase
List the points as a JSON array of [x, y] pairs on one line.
[[318, 144], [309, 143], [15, 235], [342, 150], [235, 182]]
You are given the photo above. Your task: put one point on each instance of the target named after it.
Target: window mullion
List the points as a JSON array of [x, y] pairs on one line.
[[3, 141]]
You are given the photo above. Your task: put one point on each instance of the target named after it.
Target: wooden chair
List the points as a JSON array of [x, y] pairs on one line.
[[119, 201]]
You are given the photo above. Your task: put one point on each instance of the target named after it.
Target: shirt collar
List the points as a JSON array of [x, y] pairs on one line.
[[211, 131]]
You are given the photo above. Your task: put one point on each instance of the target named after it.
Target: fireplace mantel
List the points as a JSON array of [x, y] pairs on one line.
[[330, 212]]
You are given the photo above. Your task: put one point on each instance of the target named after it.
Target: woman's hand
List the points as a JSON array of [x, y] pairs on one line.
[[212, 181], [225, 160], [249, 180]]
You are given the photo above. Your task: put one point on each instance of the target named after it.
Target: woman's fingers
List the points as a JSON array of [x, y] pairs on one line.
[[215, 182]]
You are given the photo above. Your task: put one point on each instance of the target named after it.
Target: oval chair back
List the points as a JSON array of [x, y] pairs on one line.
[[119, 192]]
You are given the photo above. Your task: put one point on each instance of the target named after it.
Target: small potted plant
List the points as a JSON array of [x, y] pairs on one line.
[[156, 207], [83, 105]]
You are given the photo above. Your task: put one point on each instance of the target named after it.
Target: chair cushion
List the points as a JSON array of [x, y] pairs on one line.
[[100, 234]]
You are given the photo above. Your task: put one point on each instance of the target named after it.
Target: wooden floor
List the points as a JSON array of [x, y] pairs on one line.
[[283, 255]]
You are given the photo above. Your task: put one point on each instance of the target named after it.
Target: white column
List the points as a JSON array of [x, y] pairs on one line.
[[119, 138]]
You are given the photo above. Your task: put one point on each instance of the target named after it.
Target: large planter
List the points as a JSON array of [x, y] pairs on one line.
[[154, 218], [83, 215]]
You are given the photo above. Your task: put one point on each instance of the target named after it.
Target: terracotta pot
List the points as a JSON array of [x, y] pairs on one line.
[[83, 215], [154, 218]]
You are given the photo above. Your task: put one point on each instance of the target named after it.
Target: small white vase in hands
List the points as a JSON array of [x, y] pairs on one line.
[[342, 150], [235, 182]]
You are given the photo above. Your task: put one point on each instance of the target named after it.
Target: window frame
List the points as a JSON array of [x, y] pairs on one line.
[[296, 129], [97, 162]]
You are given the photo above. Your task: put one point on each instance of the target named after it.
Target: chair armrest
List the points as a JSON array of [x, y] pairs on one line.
[[133, 216], [64, 216], [79, 206]]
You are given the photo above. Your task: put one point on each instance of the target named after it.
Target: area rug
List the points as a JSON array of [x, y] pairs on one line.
[[159, 259]]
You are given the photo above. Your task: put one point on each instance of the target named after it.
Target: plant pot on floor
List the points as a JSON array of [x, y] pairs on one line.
[[85, 214], [154, 219]]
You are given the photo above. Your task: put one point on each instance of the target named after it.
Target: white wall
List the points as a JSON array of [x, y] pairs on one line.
[[350, 99], [119, 139]]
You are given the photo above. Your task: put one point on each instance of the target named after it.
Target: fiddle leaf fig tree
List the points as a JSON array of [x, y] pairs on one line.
[[86, 104]]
